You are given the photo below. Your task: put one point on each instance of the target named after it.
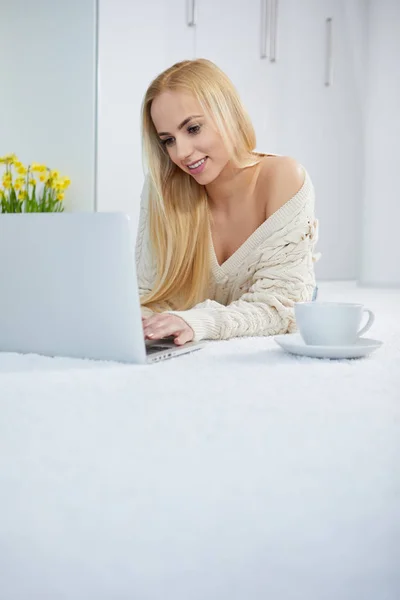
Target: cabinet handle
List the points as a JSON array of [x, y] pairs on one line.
[[329, 52], [265, 28], [274, 30], [191, 12]]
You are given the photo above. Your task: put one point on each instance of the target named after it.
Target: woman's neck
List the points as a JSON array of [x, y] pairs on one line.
[[232, 186]]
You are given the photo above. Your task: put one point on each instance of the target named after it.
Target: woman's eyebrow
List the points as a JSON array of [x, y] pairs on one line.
[[185, 122]]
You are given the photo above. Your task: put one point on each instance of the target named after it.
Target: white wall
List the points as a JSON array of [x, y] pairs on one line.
[[380, 263], [320, 125], [137, 40], [48, 69], [131, 41], [48, 91], [355, 54]]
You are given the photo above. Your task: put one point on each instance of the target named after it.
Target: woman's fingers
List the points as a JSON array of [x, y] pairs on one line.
[[166, 325], [161, 332], [158, 328], [183, 338]]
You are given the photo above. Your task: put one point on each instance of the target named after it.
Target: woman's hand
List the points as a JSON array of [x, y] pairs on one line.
[[163, 325]]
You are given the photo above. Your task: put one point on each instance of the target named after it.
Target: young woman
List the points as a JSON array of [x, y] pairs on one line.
[[226, 234]]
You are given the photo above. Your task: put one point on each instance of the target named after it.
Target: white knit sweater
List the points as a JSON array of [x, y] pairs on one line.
[[253, 292]]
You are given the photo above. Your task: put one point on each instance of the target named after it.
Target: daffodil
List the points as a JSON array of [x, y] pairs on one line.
[[38, 167], [21, 170], [43, 188], [44, 177], [19, 183], [62, 183], [7, 181], [8, 159]]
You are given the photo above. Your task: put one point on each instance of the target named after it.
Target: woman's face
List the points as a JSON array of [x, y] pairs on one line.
[[189, 136]]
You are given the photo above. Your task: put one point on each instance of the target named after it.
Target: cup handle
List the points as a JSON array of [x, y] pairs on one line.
[[371, 319]]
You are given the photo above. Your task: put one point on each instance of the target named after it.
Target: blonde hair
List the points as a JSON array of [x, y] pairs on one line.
[[178, 205]]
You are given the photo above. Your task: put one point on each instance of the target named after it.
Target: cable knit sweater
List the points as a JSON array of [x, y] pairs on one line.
[[253, 292]]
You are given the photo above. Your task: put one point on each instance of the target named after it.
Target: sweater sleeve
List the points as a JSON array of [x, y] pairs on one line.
[[145, 265], [284, 276]]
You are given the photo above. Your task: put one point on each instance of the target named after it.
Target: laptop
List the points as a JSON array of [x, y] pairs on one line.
[[68, 288]]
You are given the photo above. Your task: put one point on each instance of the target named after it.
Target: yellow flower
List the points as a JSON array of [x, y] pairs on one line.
[[8, 158], [19, 182], [61, 184], [21, 170], [22, 195], [44, 178], [60, 196], [55, 174], [32, 181], [38, 167], [7, 180]]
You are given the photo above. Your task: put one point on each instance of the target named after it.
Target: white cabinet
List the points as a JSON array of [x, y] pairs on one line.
[[305, 104], [320, 122], [179, 26], [381, 210], [230, 33], [137, 40]]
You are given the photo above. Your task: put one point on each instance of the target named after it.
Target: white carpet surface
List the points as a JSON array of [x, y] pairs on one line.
[[238, 472]]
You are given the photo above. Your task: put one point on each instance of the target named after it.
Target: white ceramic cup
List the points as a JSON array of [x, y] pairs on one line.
[[331, 323]]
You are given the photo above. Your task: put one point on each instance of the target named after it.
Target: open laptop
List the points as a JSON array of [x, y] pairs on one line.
[[68, 288]]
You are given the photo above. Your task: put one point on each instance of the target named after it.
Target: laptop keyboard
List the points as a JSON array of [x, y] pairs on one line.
[[153, 347]]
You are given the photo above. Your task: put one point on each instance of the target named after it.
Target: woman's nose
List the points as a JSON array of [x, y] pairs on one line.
[[184, 149]]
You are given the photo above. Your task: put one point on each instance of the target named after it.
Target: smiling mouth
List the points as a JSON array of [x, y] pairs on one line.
[[197, 164]]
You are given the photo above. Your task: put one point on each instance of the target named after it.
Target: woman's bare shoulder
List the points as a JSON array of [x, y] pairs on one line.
[[280, 178]]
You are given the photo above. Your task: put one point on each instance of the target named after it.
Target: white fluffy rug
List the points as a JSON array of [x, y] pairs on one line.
[[238, 472]]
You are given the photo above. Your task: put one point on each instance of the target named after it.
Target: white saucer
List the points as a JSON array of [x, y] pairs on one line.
[[294, 344]]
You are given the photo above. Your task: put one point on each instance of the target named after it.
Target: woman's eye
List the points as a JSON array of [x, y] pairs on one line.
[[193, 129]]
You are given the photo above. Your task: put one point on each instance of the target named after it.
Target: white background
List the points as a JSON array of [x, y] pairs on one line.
[[345, 134]]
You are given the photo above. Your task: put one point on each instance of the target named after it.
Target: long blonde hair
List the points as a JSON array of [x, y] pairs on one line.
[[178, 205]]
